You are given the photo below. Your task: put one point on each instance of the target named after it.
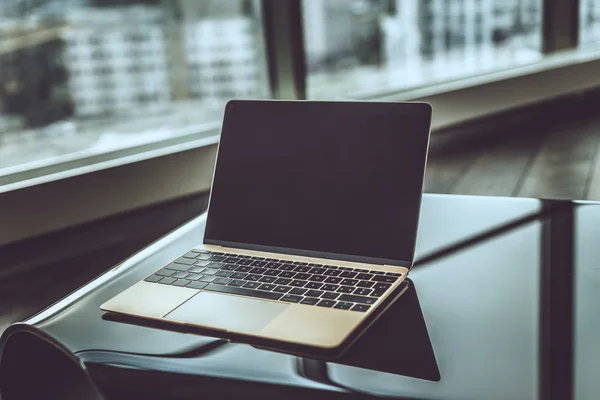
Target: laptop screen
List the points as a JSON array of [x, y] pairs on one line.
[[332, 177]]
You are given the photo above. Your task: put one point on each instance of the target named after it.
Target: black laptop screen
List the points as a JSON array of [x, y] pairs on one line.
[[333, 177]]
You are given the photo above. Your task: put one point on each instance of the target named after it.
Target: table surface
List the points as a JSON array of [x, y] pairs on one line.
[[502, 306]]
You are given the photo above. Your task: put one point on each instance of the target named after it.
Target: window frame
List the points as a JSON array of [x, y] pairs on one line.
[[25, 213]]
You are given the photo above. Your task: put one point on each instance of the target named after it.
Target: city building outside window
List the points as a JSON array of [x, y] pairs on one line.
[[131, 72], [364, 46]]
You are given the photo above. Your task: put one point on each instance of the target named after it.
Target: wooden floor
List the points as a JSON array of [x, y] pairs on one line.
[[558, 162]]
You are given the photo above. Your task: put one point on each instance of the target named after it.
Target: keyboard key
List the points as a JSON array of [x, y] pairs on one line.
[[357, 299], [178, 267], [332, 272], [216, 265], [314, 293], [237, 282], [231, 260], [365, 284], [267, 279], [267, 286], [291, 298], [194, 277], [361, 270], [313, 285], [244, 291], [283, 281], [197, 285], [202, 263], [302, 276], [222, 281], [330, 295], [345, 289], [257, 258], [229, 267], [286, 274], [191, 254], [348, 274], [313, 265], [330, 287], [298, 283], [326, 303], [272, 272], [165, 272], [181, 282], [333, 279], [318, 271], [380, 288], [217, 258], [360, 307], [317, 278], [343, 306], [207, 278], [238, 275], [393, 274], [242, 256], [252, 285], [300, 263], [153, 278], [310, 301], [210, 252], [302, 268], [298, 291], [362, 291], [210, 271], [185, 261], [273, 265], [258, 263], [345, 268], [364, 276], [349, 282], [330, 267], [196, 270], [224, 273], [167, 281], [253, 277], [244, 261], [243, 269], [282, 289], [287, 267], [378, 272], [204, 256], [384, 278], [257, 270]]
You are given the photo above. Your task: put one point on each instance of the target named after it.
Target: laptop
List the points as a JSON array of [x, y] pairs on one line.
[[311, 225]]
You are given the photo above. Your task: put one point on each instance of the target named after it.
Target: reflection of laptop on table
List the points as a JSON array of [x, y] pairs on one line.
[[311, 226]]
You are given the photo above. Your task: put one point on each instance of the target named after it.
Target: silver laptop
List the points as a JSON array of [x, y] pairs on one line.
[[311, 225]]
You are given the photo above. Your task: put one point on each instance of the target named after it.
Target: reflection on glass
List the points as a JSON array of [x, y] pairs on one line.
[[89, 76], [589, 21], [378, 45]]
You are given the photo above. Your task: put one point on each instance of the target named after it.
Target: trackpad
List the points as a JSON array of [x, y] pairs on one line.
[[231, 313]]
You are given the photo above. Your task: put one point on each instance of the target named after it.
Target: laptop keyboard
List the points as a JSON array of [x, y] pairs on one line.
[[317, 285]]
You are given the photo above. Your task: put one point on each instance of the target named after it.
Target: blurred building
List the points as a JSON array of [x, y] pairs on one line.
[[32, 77], [224, 59], [390, 31], [339, 32], [589, 20], [116, 60]]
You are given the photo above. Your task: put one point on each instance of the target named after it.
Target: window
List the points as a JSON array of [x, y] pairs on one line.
[[589, 21], [367, 46], [88, 24], [66, 122]]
